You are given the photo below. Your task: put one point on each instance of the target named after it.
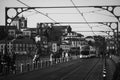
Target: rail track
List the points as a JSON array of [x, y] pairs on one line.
[[88, 74]]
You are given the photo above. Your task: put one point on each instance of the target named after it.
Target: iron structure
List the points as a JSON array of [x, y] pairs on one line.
[[19, 10], [109, 8]]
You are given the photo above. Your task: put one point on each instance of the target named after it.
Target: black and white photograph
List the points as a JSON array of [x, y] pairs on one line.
[[59, 39]]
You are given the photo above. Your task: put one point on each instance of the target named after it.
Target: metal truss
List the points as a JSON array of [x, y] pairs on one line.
[[109, 8], [19, 10]]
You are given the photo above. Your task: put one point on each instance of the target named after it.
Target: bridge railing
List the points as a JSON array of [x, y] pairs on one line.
[[31, 66]]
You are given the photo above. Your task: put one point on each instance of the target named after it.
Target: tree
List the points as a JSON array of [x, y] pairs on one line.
[[54, 34], [100, 43], [91, 43]]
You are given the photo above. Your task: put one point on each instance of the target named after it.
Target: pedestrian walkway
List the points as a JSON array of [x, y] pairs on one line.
[[115, 58], [44, 63], [116, 75], [110, 68]]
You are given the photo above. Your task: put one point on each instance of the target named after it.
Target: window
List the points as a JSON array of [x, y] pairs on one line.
[[20, 49], [20, 45], [30, 45], [1, 46], [27, 45], [27, 33], [8, 46], [23, 48], [23, 45], [16, 45]]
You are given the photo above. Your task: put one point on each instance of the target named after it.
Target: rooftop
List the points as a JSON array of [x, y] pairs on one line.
[[26, 40], [12, 27]]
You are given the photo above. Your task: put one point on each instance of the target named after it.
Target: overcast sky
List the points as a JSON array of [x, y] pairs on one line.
[[63, 15]]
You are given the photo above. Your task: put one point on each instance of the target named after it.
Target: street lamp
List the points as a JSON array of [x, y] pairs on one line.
[[111, 33], [114, 27]]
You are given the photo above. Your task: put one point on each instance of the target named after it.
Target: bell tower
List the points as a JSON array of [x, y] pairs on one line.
[[20, 22]]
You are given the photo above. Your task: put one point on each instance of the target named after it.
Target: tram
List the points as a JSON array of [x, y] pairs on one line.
[[87, 51]]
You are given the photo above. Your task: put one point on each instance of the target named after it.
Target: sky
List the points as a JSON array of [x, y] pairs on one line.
[[64, 15]]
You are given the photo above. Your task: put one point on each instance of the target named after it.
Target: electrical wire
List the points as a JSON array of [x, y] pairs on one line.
[[97, 12], [50, 7], [77, 13], [90, 31], [66, 7], [93, 11], [103, 14], [37, 11], [83, 16]]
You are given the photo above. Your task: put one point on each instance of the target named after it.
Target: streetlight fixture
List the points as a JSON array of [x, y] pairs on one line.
[[114, 27]]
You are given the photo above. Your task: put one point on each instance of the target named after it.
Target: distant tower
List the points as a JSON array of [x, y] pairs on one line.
[[38, 29], [69, 29], [20, 22]]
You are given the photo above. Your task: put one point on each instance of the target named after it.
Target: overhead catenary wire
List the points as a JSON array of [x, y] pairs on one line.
[[37, 11], [82, 16], [65, 7], [98, 26], [98, 12], [78, 13], [70, 7], [90, 31], [94, 11], [50, 7], [103, 14]]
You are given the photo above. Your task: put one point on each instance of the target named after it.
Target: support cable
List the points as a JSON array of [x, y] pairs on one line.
[[103, 14], [82, 16], [37, 11], [93, 11]]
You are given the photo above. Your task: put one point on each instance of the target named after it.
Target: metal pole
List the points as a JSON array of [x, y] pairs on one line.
[[114, 41], [6, 16], [117, 43]]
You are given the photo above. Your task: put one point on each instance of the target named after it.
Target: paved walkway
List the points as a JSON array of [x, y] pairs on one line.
[[115, 58], [110, 68], [72, 70]]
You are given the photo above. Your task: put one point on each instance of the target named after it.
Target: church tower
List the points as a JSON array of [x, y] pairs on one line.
[[20, 22]]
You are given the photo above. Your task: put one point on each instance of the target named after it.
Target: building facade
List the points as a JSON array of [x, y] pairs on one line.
[[8, 44], [26, 33], [24, 46], [72, 38], [12, 30], [65, 46]]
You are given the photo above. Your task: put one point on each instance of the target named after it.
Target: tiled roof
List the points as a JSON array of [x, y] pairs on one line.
[[61, 27], [4, 41], [25, 41], [72, 39], [18, 32], [32, 29], [65, 43], [12, 27]]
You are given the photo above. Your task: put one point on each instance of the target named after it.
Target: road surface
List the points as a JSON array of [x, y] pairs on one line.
[[80, 69]]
